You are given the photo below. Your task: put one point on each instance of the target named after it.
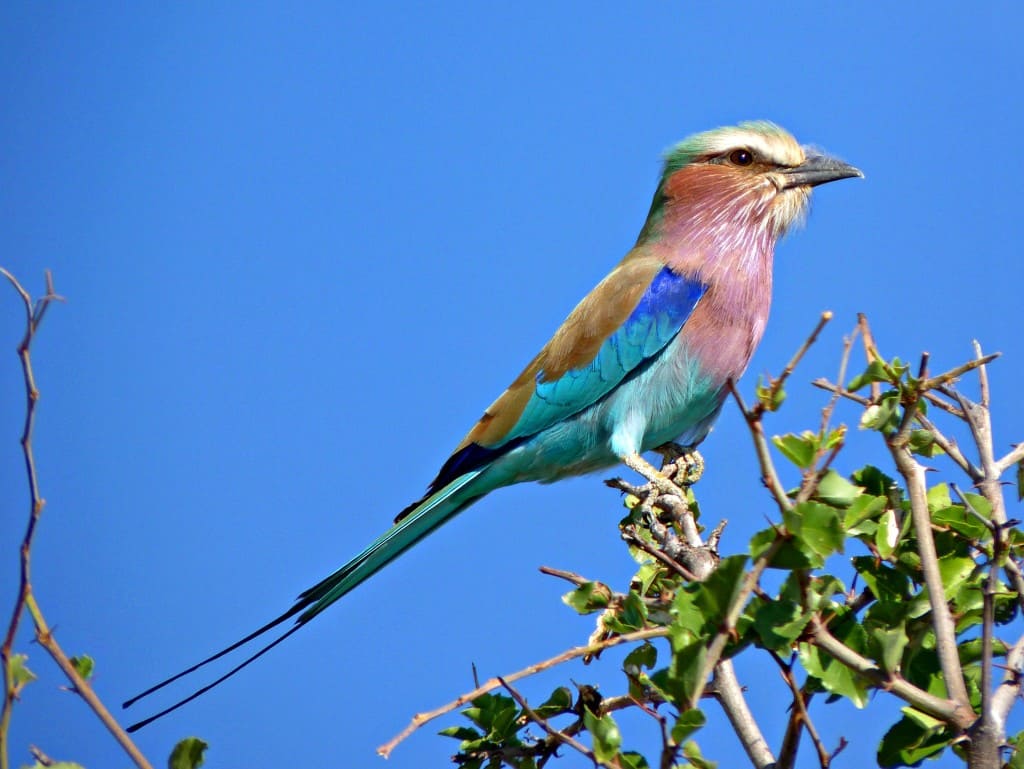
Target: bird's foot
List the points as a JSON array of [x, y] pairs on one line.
[[664, 511], [654, 476], [683, 465]]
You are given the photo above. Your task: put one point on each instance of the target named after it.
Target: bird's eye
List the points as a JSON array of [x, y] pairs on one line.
[[741, 157]]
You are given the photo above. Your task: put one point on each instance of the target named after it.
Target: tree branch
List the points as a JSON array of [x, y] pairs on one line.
[[945, 710], [491, 684], [25, 598], [727, 690]]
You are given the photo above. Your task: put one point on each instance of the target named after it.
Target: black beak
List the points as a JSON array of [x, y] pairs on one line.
[[819, 169]]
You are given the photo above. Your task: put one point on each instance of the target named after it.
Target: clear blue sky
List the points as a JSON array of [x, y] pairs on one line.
[[303, 246]]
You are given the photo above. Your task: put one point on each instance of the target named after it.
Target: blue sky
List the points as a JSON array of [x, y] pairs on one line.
[[303, 247]]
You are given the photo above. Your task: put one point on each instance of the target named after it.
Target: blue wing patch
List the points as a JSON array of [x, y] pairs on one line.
[[660, 314]]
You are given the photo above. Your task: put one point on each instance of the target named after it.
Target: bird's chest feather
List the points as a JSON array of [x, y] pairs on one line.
[[679, 394]]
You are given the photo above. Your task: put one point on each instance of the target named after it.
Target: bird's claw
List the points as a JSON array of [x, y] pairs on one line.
[[683, 465]]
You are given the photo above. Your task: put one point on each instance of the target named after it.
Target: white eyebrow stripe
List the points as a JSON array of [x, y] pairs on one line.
[[780, 150]]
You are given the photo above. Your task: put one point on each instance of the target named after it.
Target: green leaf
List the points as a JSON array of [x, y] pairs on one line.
[[909, 742], [938, 497], [83, 665], [633, 760], [873, 480], [836, 490], [881, 416], [769, 401], [492, 712], [862, 509], [816, 527], [954, 570], [891, 643], [688, 723], [1020, 481], [961, 521], [606, 734], [801, 449], [559, 702], [19, 673], [643, 656], [877, 371], [788, 556], [588, 597], [630, 615], [187, 754], [779, 623], [888, 584], [691, 752], [1017, 759], [462, 733], [684, 675], [816, 595], [716, 594], [834, 676], [922, 442]]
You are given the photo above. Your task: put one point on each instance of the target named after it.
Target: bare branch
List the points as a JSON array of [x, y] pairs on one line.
[[776, 384], [800, 700], [25, 599], [764, 455], [568, 576], [727, 690], [1009, 690], [491, 684], [942, 619], [1015, 456]]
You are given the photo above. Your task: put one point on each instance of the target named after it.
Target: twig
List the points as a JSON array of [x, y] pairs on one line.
[[945, 710], [917, 493], [948, 377], [942, 619], [800, 700], [776, 384], [764, 456], [1009, 690], [823, 384], [844, 362], [420, 719], [634, 539], [568, 576], [25, 600], [551, 731], [1015, 456], [870, 349], [717, 645], [951, 449]]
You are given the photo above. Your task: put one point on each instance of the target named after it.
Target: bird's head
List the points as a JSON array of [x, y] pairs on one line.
[[751, 181]]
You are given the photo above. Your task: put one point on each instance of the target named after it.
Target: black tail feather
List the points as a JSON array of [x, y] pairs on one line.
[[255, 634], [136, 726]]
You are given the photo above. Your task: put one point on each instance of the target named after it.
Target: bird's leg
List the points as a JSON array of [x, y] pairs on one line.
[[657, 479], [682, 464]]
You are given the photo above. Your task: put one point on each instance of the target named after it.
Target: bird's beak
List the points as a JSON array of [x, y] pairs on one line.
[[818, 169]]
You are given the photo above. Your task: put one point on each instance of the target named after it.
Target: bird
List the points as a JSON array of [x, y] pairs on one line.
[[644, 359]]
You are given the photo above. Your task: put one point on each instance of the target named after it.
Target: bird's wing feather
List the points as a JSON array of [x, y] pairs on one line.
[[626, 320]]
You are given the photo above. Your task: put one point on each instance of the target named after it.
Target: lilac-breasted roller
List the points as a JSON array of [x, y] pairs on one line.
[[644, 359]]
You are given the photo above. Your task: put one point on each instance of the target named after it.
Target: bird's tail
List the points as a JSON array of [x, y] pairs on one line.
[[419, 521]]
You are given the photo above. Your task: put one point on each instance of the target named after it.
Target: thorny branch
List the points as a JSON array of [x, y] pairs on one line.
[[25, 599]]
